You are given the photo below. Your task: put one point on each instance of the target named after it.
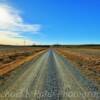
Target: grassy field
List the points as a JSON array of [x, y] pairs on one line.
[[13, 56], [86, 58]]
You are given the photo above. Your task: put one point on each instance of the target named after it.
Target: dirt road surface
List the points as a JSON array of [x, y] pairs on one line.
[[47, 78]]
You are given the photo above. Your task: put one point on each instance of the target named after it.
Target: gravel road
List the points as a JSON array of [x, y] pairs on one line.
[[47, 78]]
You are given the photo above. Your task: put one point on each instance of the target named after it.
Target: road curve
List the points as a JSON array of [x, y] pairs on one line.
[[48, 78]]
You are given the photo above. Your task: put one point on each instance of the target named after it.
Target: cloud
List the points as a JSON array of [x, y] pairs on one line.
[[12, 24]]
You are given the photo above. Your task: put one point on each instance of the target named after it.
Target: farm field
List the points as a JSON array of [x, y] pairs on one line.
[[87, 59], [13, 56]]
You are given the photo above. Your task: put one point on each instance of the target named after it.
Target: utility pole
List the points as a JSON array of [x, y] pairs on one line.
[[24, 42]]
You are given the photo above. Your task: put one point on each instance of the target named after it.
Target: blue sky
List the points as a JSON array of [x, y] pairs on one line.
[[61, 21]]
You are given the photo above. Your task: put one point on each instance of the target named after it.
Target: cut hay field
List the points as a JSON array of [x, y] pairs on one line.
[[85, 59], [12, 57]]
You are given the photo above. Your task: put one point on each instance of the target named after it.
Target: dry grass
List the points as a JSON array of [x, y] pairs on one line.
[[11, 59], [87, 60]]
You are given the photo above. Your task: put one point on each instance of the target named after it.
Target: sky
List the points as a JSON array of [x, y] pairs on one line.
[[49, 22]]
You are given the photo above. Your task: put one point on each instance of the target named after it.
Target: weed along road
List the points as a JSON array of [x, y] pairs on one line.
[[50, 77]]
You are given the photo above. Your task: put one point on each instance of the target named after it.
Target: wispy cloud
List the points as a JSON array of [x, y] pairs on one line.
[[12, 24]]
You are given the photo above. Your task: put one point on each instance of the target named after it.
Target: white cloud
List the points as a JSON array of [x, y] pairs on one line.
[[12, 24]]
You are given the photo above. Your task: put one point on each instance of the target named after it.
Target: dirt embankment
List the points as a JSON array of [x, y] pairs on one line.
[[11, 60], [87, 60]]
